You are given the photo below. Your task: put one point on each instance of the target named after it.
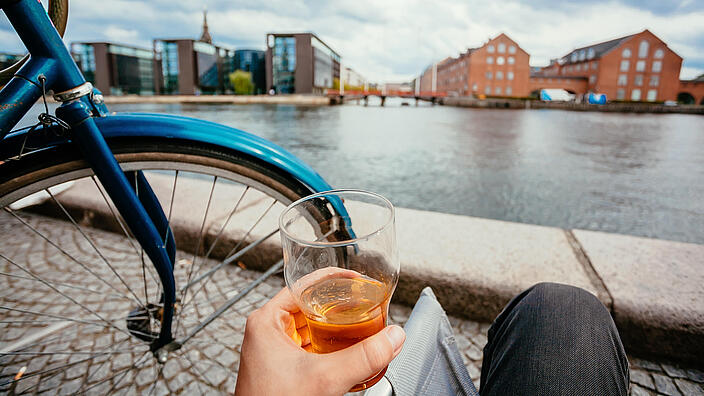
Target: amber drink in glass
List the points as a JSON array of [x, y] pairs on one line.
[[341, 265]]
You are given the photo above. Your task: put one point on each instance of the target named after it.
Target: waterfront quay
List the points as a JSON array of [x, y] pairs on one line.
[[651, 287]]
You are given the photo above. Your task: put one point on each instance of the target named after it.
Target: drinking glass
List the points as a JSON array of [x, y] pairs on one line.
[[341, 265]]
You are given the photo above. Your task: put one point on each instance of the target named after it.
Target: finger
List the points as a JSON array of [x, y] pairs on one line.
[[283, 300], [366, 358]]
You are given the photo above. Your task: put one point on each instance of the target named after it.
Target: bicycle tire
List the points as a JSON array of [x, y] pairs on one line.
[[29, 305]]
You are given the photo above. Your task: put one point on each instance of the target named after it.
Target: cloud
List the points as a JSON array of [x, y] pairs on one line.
[[394, 40]]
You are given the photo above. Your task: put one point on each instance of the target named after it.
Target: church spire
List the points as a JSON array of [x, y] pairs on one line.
[[205, 36]]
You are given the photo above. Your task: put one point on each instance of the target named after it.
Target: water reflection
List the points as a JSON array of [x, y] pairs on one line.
[[625, 173]]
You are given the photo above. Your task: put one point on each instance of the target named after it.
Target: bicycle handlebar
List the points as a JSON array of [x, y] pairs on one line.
[[58, 13]]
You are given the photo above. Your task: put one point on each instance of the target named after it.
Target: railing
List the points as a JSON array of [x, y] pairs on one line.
[[387, 93]]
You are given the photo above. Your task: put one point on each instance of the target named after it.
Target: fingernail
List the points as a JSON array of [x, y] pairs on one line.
[[396, 336]]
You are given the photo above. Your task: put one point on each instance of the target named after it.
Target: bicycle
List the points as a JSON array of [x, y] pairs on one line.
[[144, 312]]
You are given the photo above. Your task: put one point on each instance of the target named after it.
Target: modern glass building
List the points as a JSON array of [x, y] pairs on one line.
[[300, 63], [116, 69], [191, 67], [251, 61]]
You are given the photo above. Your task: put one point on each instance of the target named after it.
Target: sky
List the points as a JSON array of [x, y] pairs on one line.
[[393, 40]]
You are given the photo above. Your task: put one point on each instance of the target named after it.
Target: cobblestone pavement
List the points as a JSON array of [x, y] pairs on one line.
[[68, 349]]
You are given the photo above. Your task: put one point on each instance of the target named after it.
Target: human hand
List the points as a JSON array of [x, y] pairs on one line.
[[274, 358]]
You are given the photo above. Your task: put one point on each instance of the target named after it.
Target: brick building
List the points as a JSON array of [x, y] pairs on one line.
[[691, 91], [638, 67], [498, 68]]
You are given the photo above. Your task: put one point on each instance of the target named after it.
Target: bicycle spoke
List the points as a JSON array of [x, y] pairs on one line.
[[158, 376], [184, 355], [250, 229], [197, 248], [171, 206], [122, 226], [64, 252], [62, 294], [227, 221], [228, 256], [68, 285], [92, 244], [123, 372], [232, 301]]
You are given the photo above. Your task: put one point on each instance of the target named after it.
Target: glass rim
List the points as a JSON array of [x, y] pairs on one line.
[[386, 223]]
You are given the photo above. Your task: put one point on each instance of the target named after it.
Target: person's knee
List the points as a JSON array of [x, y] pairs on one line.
[[549, 295]]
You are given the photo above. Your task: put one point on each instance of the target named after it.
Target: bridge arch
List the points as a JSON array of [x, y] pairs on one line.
[[686, 98]]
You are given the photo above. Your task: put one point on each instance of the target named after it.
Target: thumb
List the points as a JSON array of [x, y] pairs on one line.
[[366, 358]]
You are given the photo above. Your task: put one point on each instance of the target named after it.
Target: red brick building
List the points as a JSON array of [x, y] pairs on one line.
[[639, 67], [498, 68]]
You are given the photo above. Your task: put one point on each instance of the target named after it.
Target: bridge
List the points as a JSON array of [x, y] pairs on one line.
[[341, 96]]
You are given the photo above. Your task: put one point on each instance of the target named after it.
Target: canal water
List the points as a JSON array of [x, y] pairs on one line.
[[638, 174]]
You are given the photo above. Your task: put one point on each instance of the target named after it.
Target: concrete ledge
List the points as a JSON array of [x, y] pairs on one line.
[[652, 287], [658, 291]]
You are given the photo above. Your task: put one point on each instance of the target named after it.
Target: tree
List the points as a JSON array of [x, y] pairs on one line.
[[241, 82]]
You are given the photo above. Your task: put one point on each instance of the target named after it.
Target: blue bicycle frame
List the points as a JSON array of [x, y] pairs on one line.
[[51, 67]]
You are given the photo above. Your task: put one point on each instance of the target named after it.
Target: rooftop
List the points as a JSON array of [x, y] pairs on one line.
[[593, 51]]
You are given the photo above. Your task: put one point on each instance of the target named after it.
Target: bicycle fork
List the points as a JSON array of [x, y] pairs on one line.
[[143, 214]]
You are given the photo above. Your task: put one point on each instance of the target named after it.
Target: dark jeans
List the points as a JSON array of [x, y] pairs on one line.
[[554, 339]]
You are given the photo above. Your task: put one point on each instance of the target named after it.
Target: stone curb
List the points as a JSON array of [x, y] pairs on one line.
[[653, 288]]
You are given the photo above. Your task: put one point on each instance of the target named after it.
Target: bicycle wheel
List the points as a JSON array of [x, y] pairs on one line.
[[80, 304]]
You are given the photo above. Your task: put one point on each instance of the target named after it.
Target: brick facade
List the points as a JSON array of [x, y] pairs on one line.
[[695, 88], [639, 67], [498, 68]]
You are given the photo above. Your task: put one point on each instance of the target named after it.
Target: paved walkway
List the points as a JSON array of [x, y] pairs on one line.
[[208, 365]]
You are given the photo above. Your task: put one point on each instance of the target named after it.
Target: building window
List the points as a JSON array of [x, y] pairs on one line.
[[590, 53], [620, 94], [563, 71], [657, 66], [509, 91], [654, 81], [622, 79], [578, 67], [643, 49], [592, 79], [582, 55], [635, 94], [509, 75], [652, 95], [487, 89], [488, 75], [573, 57], [499, 60], [640, 65], [638, 80], [659, 53], [490, 48], [626, 53], [501, 48], [594, 65], [490, 60], [474, 87], [511, 60], [497, 90], [511, 50], [499, 75], [624, 65]]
